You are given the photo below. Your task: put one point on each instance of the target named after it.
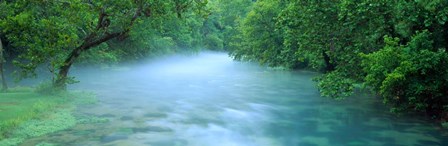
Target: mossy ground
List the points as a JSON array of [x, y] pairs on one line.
[[26, 114]]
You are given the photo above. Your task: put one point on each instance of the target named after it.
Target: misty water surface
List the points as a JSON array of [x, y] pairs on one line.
[[210, 100]]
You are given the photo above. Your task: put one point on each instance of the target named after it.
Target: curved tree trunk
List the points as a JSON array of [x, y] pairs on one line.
[[2, 73], [63, 70], [89, 43], [92, 40]]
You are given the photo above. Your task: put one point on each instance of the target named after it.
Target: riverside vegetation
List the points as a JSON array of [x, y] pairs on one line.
[[28, 113], [395, 49]]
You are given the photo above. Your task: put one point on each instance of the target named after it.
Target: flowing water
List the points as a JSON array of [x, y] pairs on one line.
[[210, 100]]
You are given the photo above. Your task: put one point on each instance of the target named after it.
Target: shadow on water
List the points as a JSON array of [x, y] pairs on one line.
[[208, 99]]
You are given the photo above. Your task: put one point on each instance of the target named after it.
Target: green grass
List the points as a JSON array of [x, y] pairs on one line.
[[20, 104], [25, 113]]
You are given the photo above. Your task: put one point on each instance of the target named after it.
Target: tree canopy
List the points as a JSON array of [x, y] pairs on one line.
[[395, 48], [57, 33]]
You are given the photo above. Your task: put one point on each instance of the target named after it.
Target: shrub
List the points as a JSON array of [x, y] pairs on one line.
[[414, 76], [335, 85]]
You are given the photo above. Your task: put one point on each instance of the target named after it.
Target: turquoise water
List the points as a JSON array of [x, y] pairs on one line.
[[210, 100]]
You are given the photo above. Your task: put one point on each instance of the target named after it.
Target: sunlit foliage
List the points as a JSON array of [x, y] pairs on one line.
[[396, 48], [56, 33]]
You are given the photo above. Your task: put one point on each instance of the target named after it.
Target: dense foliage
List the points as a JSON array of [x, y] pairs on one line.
[[396, 48], [257, 30], [411, 76], [57, 33], [221, 26]]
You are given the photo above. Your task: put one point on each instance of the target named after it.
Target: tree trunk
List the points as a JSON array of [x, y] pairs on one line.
[[92, 40], [328, 65], [2, 73], [63, 70], [89, 43]]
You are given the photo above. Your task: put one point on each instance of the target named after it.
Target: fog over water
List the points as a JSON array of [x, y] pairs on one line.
[[210, 100]]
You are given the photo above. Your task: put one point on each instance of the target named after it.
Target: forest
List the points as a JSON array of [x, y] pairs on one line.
[[396, 51]]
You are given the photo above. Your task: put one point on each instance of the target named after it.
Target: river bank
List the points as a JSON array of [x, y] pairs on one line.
[[25, 113], [209, 99]]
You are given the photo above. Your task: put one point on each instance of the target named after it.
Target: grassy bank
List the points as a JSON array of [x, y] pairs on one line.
[[25, 113]]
